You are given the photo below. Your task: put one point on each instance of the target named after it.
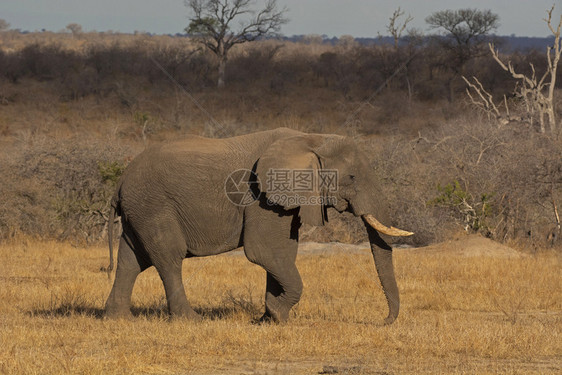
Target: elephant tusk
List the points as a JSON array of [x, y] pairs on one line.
[[370, 219]]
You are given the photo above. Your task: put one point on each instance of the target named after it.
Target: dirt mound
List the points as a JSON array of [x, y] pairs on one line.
[[472, 245], [331, 247]]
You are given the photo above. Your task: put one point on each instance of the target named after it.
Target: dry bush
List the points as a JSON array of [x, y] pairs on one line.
[[503, 182], [344, 228], [58, 188]]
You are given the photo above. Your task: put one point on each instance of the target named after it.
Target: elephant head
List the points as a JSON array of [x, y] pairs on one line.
[[320, 171]]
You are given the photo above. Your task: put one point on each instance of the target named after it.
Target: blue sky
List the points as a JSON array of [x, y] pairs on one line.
[[360, 18]]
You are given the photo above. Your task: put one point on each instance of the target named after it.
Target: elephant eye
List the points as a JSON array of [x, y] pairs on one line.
[[347, 180]]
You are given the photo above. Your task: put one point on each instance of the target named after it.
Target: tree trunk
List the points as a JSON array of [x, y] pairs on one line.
[[541, 120], [449, 88], [222, 71], [551, 118]]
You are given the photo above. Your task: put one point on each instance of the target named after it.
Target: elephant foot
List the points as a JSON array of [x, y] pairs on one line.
[[186, 313], [266, 318], [114, 313], [275, 312], [389, 320]]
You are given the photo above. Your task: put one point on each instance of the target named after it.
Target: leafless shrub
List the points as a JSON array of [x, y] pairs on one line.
[[500, 182], [344, 228], [58, 188]]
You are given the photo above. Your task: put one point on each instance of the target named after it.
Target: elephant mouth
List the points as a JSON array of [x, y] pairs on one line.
[[379, 227]]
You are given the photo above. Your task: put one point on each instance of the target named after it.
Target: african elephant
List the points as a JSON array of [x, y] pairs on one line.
[[181, 199]]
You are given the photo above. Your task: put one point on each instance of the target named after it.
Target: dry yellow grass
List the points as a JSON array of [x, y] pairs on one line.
[[460, 314]]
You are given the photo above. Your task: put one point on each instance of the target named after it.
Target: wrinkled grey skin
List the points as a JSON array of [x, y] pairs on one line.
[[173, 206]]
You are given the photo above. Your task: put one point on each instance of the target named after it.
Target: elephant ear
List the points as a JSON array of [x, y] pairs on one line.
[[288, 172]]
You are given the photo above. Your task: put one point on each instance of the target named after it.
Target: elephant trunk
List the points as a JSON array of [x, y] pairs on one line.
[[382, 255]]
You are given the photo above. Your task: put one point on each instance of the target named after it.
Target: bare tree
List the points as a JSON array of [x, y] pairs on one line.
[[4, 25], [212, 20], [466, 31], [75, 29], [465, 37], [400, 58], [395, 29]]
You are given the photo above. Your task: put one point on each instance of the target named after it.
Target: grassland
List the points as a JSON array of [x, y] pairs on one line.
[[498, 311], [70, 106]]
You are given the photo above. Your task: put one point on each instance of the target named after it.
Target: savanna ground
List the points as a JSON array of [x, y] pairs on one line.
[[469, 305]]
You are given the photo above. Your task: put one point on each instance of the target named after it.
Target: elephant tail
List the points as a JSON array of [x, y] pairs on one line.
[[113, 210]]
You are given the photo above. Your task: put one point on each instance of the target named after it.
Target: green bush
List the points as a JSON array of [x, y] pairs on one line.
[[111, 171], [474, 212]]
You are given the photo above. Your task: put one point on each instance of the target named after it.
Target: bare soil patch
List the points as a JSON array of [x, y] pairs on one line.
[[471, 245]]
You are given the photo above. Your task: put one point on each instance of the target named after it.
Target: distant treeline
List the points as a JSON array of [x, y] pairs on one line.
[[509, 43], [422, 71]]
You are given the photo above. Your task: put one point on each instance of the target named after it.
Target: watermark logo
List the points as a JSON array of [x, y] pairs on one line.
[[286, 187], [292, 200], [301, 187], [301, 180], [242, 187]]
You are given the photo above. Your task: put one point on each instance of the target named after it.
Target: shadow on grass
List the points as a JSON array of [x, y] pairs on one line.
[[74, 302], [224, 312], [156, 311], [68, 310]]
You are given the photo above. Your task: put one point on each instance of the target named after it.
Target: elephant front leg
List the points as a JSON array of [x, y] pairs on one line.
[[271, 241], [278, 299]]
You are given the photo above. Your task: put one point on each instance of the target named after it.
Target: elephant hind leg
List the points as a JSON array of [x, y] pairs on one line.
[[178, 306], [129, 266], [167, 253]]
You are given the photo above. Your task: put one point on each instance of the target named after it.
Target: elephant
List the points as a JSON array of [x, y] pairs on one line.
[[200, 196]]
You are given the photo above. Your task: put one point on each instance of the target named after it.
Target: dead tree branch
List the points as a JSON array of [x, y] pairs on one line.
[[485, 101], [538, 94]]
